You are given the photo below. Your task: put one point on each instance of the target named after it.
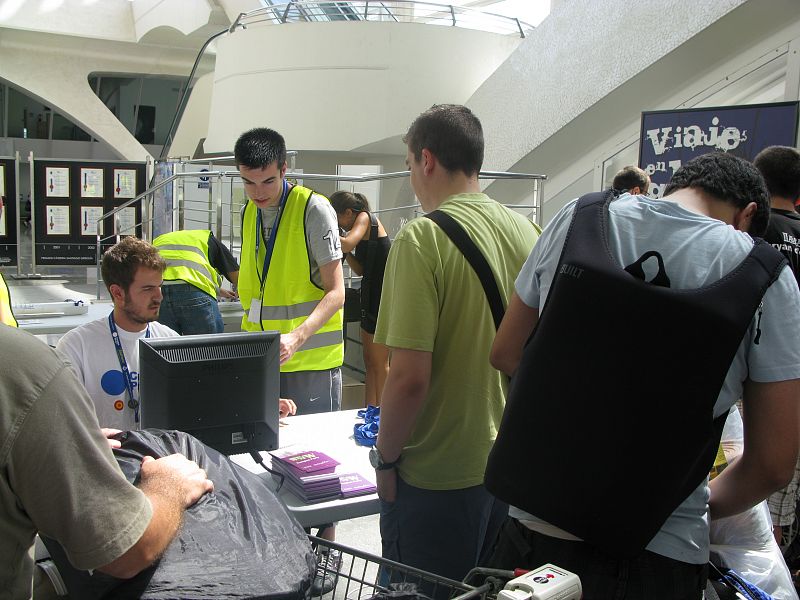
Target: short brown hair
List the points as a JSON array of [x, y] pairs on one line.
[[452, 133], [122, 260], [630, 177]]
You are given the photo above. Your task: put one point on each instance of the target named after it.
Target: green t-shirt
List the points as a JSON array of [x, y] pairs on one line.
[[433, 301]]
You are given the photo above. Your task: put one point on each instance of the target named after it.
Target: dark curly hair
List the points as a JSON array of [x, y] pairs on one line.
[[727, 178]]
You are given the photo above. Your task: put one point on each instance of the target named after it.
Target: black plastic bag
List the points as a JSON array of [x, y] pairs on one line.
[[238, 542]]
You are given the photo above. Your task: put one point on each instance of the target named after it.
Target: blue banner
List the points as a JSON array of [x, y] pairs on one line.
[[670, 138]]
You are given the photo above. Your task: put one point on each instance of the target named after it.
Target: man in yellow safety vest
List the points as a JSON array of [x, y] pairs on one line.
[[195, 262], [291, 280]]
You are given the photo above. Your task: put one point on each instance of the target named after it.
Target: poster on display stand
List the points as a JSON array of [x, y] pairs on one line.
[[66, 227], [57, 182], [91, 183], [9, 245], [124, 183], [57, 219], [127, 221], [89, 217], [670, 138]]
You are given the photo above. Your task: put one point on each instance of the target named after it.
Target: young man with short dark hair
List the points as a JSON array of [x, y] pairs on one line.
[[442, 401], [290, 280], [623, 379]]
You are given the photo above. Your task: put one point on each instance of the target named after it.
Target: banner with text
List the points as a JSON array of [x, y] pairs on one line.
[[670, 138]]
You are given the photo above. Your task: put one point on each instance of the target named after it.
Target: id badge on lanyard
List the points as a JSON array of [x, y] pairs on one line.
[[133, 401], [254, 314]]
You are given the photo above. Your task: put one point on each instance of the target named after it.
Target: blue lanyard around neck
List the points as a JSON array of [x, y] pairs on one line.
[[273, 234], [133, 403]]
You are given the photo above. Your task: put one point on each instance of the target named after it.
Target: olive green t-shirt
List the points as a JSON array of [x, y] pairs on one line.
[[433, 301], [57, 473]]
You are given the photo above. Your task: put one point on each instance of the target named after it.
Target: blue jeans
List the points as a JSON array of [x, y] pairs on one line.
[[649, 576], [188, 310]]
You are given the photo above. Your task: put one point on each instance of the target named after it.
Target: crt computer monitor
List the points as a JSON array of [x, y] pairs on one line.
[[222, 388]]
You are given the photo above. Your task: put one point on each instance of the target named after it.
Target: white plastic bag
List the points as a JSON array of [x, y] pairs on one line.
[[744, 542]]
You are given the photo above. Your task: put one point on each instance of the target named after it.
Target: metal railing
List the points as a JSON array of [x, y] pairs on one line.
[[216, 207], [398, 11], [187, 88]]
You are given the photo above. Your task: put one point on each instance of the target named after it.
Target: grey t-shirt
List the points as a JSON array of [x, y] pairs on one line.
[[57, 473], [322, 233], [697, 251]]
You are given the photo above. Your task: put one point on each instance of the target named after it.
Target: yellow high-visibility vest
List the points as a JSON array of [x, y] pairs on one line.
[[288, 296], [6, 316], [186, 253]]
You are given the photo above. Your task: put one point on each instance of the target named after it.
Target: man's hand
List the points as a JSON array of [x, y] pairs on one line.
[[109, 433], [176, 470], [171, 484], [224, 293], [286, 407], [290, 343], [387, 484]]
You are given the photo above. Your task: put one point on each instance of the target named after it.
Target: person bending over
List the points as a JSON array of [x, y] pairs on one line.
[[366, 247]]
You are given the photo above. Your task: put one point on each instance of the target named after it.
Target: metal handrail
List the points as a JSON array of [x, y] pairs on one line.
[[372, 10], [228, 157], [234, 174], [185, 96]]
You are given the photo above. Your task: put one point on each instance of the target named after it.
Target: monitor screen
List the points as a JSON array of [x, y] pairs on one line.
[[222, 388]]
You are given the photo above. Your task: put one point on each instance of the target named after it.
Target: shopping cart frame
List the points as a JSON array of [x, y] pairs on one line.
[[361, 575]]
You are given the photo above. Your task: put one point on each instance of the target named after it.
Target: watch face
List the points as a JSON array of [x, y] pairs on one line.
[[374, 458]]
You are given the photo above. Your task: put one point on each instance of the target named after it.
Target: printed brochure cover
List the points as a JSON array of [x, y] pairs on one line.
[[307, 461], [313, 475]]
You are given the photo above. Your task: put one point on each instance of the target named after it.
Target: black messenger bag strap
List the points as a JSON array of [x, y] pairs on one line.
[[476, 260]]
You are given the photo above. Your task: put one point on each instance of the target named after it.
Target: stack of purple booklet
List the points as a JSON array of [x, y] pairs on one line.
[[316, 477]]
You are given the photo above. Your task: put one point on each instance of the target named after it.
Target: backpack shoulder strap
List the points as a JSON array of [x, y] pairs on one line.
[[476, 260]]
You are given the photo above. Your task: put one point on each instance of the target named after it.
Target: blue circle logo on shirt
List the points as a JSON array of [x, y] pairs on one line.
[[113, 383]]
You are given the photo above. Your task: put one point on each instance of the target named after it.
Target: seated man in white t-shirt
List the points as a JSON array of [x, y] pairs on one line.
[[108, 364], [105, 353]]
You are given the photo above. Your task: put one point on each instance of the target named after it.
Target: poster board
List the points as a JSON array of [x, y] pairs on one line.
[[670, 138], [9, 245], [69, 198]]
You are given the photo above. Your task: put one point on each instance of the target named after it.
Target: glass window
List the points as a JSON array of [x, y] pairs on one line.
[[145, 105], [29, 118]]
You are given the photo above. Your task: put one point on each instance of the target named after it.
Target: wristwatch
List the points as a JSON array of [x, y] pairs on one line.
[[377, 462]]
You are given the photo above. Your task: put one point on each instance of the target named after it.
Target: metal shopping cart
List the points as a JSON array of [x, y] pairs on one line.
[[359, 575]]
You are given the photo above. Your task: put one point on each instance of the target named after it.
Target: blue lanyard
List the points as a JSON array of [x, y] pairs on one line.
[[133, 403], [273, 234]]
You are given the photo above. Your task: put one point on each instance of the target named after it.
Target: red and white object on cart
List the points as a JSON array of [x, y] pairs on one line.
[[548, 582]]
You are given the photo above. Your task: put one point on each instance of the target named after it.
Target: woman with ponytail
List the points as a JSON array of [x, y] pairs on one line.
[[365, 245]]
